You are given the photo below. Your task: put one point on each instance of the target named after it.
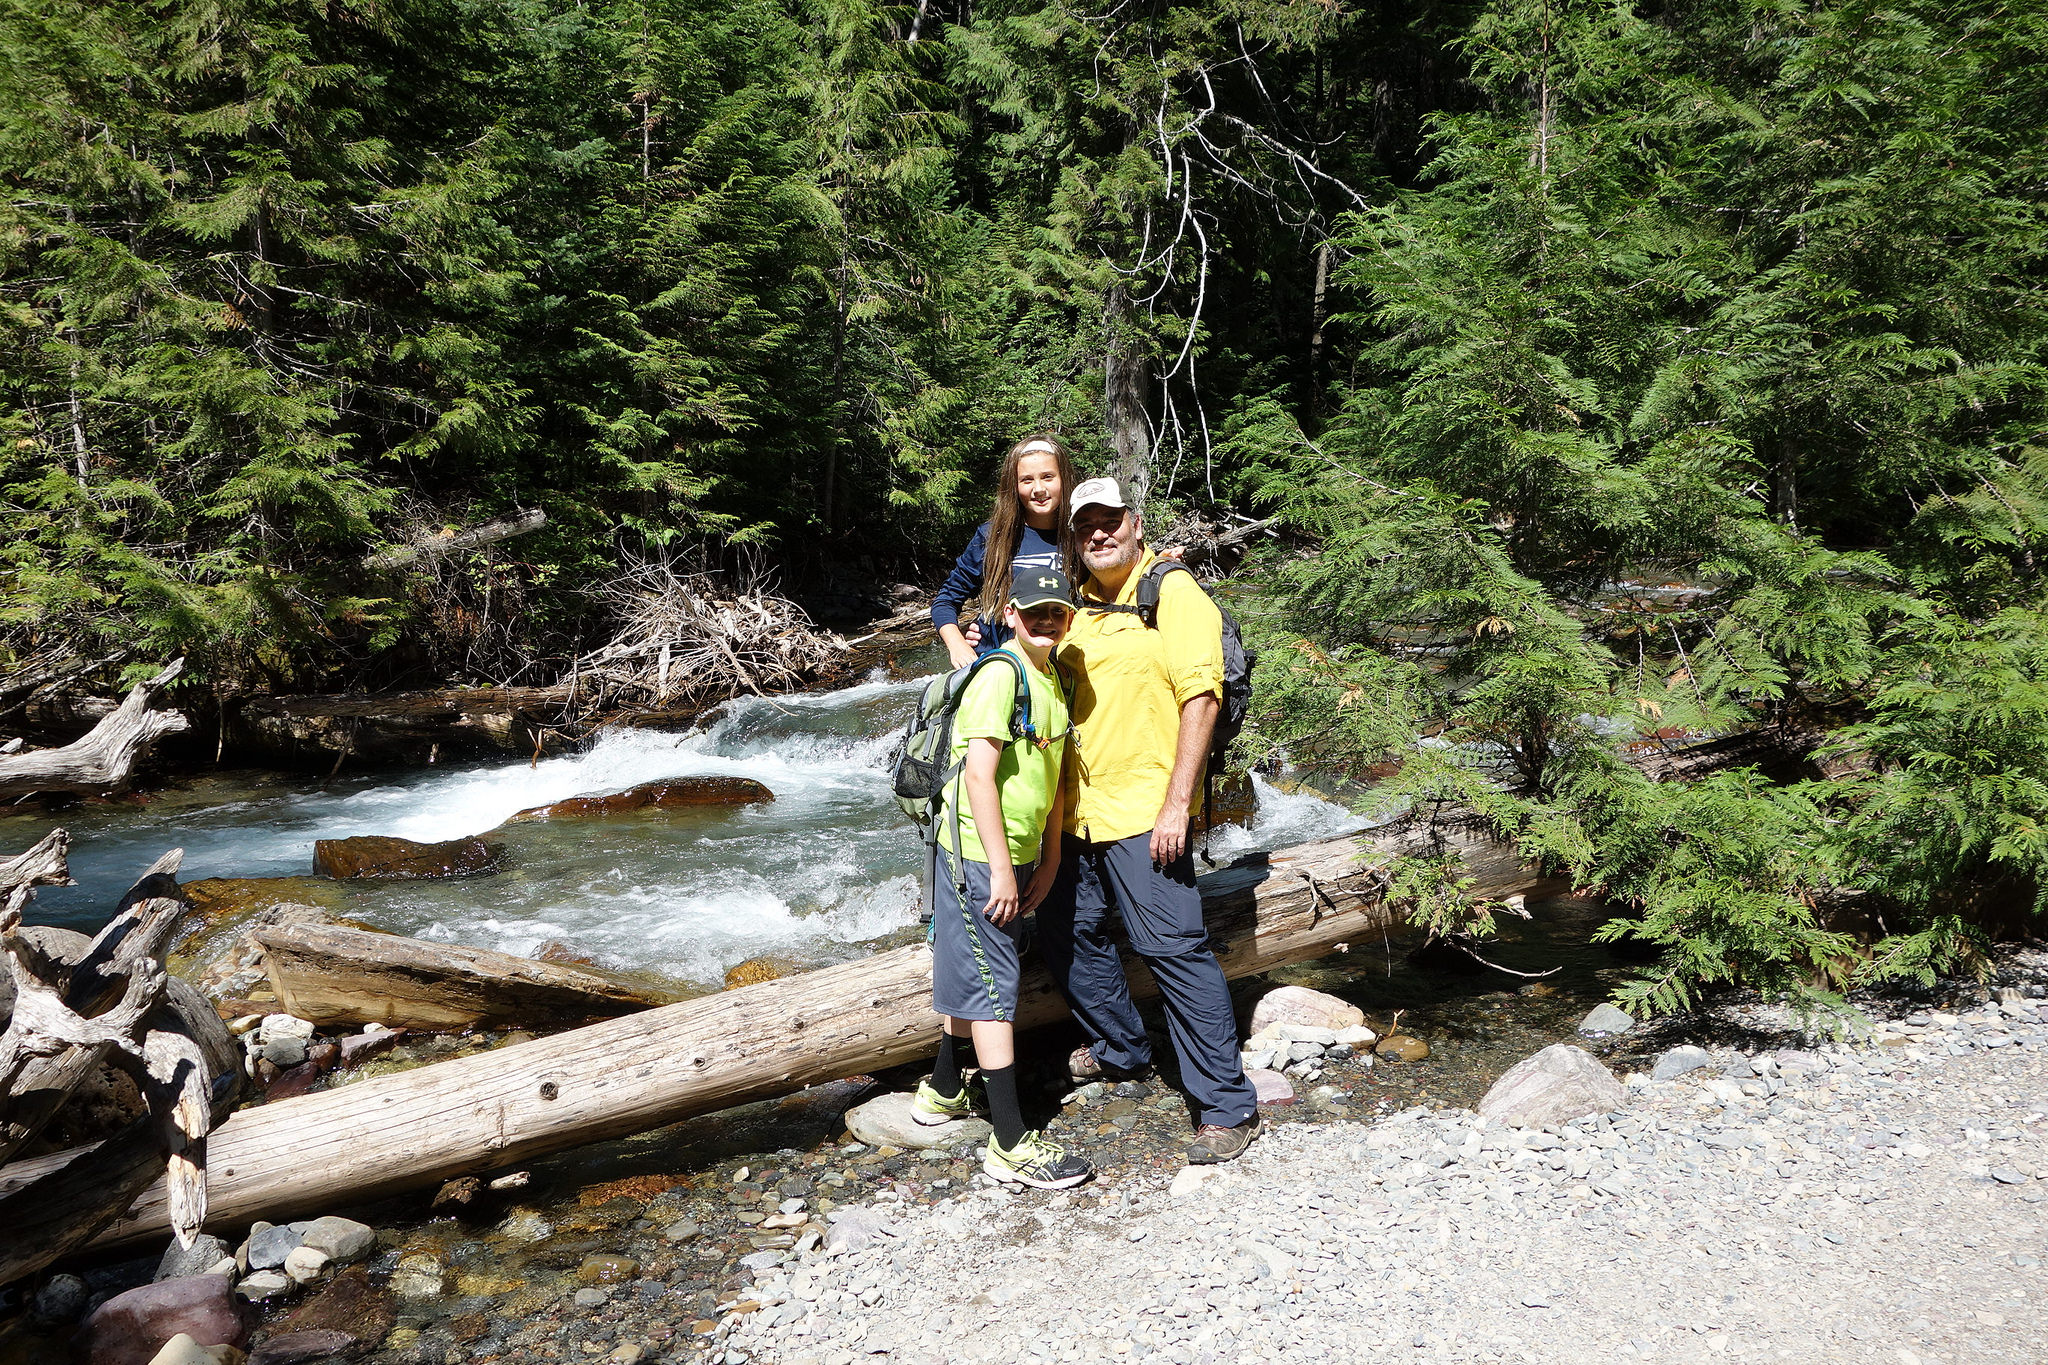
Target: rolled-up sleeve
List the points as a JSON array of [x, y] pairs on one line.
[[1191, 638], [962, 583]]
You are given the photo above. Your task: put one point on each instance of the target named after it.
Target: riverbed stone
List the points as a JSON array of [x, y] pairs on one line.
[[755, 970], [525, 1225], [853, 1230], [1605, 1018], [672, 793], [183, 1350], [62, 1299], [1272, 1087], [885, 1121], [130, 1328], [682, 1230], [607, 1268], [1401, 1047], [259, 1286], [1300, 1005], [344, 1240], [203, 1255], [306, 1264], [418, 1276], [1558, 1084], [350, 1305], [381, 857], [303, 1348], [1678, 1061], [268, 1246]]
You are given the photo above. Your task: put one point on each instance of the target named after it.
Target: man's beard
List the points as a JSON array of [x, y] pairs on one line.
[[1115, 557]]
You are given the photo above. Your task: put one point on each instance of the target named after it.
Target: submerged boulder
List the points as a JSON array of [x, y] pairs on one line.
[[672, 793], [380, 856]]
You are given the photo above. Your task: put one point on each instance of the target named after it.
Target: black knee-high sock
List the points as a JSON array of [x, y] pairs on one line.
[[954, 1053], [1003, 1112]]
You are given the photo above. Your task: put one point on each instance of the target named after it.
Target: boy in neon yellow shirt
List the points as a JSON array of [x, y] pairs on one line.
[[999, 827]]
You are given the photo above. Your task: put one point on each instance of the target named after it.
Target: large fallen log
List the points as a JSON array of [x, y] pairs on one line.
[[104, 760], [333, 975], [625, 1075]]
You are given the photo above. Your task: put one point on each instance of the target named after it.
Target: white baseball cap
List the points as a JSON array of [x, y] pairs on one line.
[[1095, 493]]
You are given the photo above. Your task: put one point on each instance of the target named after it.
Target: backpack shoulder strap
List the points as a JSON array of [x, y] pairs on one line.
[[1020, 709], [1149, 588]]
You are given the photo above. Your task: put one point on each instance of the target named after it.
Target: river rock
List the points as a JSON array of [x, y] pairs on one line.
[[62, 1299], [1605, 1019], [853, 1230], [283, 1039], [358, 1048], [1557, 1085], [182, 1350], [224, 960], [885, 1121], [384, 858], [1273, 1087], [1401, 1047], [418, 1276], [206, 1252], [682, 1230], [130, 1328], [675, 793], [301, 1348], [344, 1240], [349, 1305], [268, 1246], [607, 1269], [1679, 1061], [525, 1225], [261, 1285], [1300, 1005], [306, 1264], [758, 969]]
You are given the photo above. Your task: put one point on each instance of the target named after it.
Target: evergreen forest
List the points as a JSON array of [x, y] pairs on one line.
[[1606, 371]]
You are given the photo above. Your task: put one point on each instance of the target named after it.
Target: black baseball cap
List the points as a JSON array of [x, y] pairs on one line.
[[1037, 587]]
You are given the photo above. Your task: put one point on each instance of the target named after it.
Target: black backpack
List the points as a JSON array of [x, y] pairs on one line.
[[1238, 663]]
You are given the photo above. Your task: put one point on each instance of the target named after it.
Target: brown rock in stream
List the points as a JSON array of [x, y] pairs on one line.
[[350, 1305], [674, 793], [382, 857], [758, 969]]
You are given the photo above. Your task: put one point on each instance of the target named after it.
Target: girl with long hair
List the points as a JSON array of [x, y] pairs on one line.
[[1027, 530]]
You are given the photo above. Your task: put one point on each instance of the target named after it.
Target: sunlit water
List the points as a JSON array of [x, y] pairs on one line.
[[825, 872]]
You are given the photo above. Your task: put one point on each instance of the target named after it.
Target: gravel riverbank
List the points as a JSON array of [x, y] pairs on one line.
[[1869, 1203]]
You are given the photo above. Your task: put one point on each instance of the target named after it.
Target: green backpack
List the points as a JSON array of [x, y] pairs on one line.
[[922, 766]]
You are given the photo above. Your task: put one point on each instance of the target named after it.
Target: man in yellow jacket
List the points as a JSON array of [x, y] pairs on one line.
[[1144, 708]]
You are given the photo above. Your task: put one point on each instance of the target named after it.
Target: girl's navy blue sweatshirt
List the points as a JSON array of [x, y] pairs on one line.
[[1034, 551]]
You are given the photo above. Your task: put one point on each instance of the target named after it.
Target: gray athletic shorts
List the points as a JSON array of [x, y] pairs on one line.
[[975, 965]]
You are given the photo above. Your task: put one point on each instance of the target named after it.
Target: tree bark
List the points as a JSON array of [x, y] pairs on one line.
[[622, 1076], [1125, 379], [333, 975], [105, 759]]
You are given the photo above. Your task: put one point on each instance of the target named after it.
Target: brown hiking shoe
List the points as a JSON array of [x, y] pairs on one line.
[[1083, 1068], [1214, 1143]]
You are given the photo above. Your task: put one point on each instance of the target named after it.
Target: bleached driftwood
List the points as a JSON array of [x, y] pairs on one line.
[[622, 1076], [73, 1004], [104, 760], [441, 543]]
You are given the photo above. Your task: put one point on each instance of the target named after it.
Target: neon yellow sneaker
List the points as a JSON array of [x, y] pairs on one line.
[[931, 1109], [1038, 1161]]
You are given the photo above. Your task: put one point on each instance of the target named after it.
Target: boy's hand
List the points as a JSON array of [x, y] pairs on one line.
[[1002, 896], [1047, 872]]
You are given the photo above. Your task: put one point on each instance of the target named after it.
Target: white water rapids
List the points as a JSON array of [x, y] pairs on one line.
[[825, 872]]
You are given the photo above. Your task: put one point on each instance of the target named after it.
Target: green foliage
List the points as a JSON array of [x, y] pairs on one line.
[[1696, 390]]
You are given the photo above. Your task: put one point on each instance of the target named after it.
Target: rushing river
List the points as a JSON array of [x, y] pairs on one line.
[[828, 871]]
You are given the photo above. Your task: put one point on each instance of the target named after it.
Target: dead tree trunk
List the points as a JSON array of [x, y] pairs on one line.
[[625, 1075], [73, 1004], [103, 760]]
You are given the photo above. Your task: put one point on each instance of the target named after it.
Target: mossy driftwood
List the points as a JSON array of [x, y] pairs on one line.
[[626, 1075]]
